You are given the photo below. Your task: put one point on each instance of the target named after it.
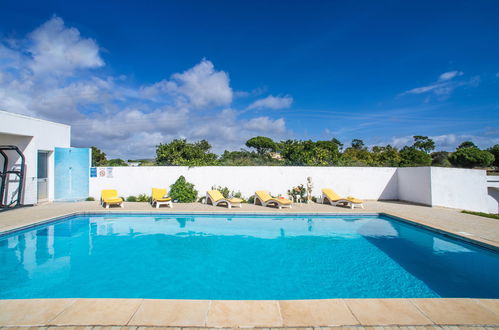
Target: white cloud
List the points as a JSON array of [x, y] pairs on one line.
[[450, 75], [401, 141], [272, 102], [56, 49], [201, 86], [266, 124], [445, 84], [110, 113]]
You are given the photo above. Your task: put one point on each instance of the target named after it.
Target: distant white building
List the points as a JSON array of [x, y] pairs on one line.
[[37, 139]]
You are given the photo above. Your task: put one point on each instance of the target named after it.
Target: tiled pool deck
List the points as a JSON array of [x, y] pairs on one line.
[[134, 313]]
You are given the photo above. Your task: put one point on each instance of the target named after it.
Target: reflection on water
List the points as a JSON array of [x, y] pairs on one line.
[[241, 257]]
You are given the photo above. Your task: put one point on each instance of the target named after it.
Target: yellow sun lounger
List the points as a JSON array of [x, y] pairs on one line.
[[159, 197], [329, 196], [215, 197], [110, 197], [263, 198]]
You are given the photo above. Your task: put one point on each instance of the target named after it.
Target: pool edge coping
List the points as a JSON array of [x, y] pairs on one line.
[[250, 313]]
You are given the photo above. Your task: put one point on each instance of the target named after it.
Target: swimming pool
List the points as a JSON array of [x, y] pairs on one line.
[[186, 256]]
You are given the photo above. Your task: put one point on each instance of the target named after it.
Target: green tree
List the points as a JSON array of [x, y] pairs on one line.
[[183, 191], [338, 143], [470, 157], [410, 156], [116, 162], [423, 143], [466, 144], [358, 144], [353, 156], [440, 158], [262, 144], [385, 156], [495, 151], [246, 158], [98, 157], [180, 152], [320, 153]]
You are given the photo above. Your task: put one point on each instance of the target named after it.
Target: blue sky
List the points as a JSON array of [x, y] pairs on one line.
[[130, 75]]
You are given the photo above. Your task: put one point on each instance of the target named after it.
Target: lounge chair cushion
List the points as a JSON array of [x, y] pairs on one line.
[[334, 197], [110, 196], [216, 196], [265, 197], [158, 195]]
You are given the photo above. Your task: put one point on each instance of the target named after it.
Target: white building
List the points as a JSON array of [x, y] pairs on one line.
[[37, 139]]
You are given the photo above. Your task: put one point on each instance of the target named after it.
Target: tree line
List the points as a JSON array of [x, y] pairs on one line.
[[265, 151]]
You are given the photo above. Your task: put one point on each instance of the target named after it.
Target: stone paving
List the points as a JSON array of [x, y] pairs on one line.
[[312, 314], [249, 314]]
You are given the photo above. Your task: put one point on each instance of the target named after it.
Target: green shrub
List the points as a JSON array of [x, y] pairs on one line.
[[183, 191], [226, 192], [471, 157], [131, 199], [90, 199], [143, 198], [251, 199], [223, 190], [299, 191]]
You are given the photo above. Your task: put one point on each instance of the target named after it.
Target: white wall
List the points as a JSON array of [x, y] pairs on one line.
[[414, 185], [31, 135], [493, 200], [433, 186], [362, 182]]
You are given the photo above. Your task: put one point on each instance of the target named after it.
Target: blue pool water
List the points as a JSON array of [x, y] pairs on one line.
[[241, 257]]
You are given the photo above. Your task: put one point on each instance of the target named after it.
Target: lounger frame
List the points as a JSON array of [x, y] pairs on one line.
[[106, 204], [271, 202], [159, 203], [340, 202], [210, 201]]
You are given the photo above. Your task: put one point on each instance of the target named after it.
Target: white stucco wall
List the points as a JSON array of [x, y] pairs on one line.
[[459, 188], [493, 200], [432, 186], [414, 185], [363, 182], [31, 135]]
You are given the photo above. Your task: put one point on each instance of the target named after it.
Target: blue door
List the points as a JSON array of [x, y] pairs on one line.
[[71, 173]]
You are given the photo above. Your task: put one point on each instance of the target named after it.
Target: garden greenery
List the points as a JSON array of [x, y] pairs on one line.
[[266, 152], [183, 191]]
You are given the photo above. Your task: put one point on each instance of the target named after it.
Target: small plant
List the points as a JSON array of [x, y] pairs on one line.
[[131, 199], [183, 191], [298, 192], [251, 199], [223, 190], [90, 199], [143, 198], [226, 192]]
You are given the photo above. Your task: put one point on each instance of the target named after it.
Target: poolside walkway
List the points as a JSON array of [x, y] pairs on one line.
[[318, 314]]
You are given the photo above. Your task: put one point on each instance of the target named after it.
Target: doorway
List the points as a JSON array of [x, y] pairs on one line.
[[42, 177]]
